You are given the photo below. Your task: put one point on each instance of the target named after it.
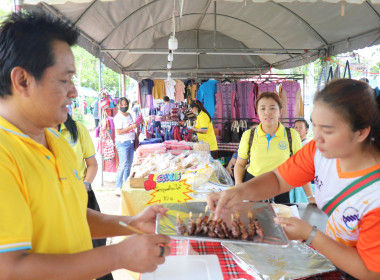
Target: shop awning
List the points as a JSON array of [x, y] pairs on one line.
[[224, 36]]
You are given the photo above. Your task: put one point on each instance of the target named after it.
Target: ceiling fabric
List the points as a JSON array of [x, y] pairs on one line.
[[224, 36]]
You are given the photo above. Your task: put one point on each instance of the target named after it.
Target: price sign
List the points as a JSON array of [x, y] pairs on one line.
[[168, 188]]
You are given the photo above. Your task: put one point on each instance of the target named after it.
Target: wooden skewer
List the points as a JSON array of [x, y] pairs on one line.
[[131, 228], [190, 215], [206, 208]]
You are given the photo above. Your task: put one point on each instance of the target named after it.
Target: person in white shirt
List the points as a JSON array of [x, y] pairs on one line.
[[302, 127], [125, 138]]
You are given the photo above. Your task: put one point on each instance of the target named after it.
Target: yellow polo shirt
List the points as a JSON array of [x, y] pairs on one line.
[[84, 147], [203, 122], [42, 200], [267, 153]]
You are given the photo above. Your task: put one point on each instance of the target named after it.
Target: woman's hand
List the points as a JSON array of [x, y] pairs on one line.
[[225, 200], [295, 229], [146, 220]]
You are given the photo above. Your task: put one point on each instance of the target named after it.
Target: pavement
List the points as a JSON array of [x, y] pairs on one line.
[[109, 204]]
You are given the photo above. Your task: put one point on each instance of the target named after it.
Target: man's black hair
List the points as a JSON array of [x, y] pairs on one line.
[[166, 98], [304, 121], [26, 40]]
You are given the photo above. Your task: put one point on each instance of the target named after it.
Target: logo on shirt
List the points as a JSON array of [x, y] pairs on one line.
[[76, 174], [351, 218], [282, 145], [318, 182]]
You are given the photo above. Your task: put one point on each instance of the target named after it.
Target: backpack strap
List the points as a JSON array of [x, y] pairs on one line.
[[251, 135], [290, 141], [352, 189]]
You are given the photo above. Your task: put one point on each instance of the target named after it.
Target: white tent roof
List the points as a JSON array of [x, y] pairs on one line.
[[221, 36]]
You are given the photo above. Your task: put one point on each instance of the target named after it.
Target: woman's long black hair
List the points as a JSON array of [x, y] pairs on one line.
[[196, 103], [71, 127]]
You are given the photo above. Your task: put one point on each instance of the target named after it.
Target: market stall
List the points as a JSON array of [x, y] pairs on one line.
[[215, 37]]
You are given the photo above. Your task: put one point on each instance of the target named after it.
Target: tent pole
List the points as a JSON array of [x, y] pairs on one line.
[[123, 85], [214, 24], [100, 89]]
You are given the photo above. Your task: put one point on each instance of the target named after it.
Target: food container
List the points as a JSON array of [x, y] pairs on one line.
[[263, 212], [273, 263]]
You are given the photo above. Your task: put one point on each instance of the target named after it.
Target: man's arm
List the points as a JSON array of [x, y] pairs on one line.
[[138, 253]]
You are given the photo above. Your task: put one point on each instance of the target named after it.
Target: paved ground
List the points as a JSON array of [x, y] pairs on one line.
[[109, 203]]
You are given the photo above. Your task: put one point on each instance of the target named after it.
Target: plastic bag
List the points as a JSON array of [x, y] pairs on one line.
[[222, 174]]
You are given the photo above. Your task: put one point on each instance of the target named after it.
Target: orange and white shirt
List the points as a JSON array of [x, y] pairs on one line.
[[355, 222]]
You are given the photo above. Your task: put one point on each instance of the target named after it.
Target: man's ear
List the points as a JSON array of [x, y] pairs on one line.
[[20, 80]]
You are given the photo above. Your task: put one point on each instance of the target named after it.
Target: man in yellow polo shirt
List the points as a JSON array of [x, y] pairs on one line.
[[46, 229]]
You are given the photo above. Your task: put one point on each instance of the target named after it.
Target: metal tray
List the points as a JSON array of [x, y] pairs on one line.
[[274, 233]]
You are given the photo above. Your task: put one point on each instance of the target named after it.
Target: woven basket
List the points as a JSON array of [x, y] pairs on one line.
[[202, 146]]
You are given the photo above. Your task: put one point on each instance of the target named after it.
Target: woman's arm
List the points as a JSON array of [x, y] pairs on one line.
[[125, 130], [92, 169], [239, 170], [200, 130], [345, 257], [309, 193]]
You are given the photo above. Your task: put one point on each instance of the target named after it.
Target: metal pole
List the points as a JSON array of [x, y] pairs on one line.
[[123, 84], [214, 24], [101, 115], [17, 5]]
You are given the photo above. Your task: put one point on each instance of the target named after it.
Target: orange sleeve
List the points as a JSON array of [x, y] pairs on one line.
[[299, 169], [368, 244]]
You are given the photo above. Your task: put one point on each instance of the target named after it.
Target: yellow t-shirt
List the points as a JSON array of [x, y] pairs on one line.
[[42, 199], [203, 121], [83, 148], [266, 153]]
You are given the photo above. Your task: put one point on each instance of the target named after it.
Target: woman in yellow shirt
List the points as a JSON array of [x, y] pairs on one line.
[[203, 126], [270, 145]]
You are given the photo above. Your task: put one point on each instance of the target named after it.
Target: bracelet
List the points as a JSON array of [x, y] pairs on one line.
[[88, 186], [311, 236], [310, 196]]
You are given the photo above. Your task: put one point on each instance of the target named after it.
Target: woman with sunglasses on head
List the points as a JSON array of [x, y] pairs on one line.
[[204, 127], [344, 161]]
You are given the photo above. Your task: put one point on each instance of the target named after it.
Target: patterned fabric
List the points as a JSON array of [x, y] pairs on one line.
[[228, 147], [293, 94], [246, 99], [230, 269], [266, 87]]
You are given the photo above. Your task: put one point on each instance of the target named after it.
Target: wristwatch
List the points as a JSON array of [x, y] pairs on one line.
[[88, 186], [311, 236], [310, 196]]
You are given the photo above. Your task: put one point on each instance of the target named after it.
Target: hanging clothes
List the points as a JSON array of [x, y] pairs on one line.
[[245, 99], [191, 90], [293, 94], [179, 91], [266, 87], [223, 100], [159, 90], [206, 94], [146, 88], [169, 87]]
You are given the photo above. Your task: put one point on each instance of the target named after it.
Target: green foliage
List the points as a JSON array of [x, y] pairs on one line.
[[87, 74]]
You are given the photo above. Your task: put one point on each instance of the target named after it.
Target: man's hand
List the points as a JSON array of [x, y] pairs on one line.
[[146, 220], [141, 253]]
